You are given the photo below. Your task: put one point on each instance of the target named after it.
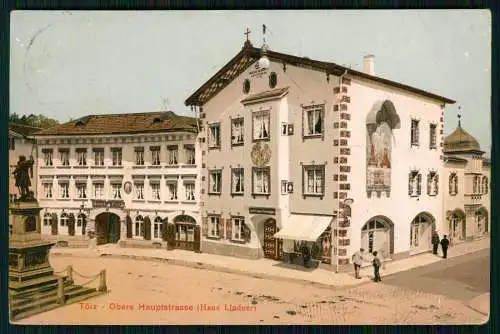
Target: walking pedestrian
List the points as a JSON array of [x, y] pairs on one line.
[[357, 260], [376, 267], [444, 246], [435, 242]]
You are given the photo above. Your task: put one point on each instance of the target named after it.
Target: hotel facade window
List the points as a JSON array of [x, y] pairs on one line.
[[476, 185], [47, 190], [155, 191], [214, 135], [139, 190], [238, 228], [64, 156], [64, 220], [261, 181], [116, 155], [215, 184], [47, 157], [414, 132], [432, 136], [237, 181], [80, 220], [63, 189], [98, 190], [81, 156], [414, 184], [261, 120], [173, 151], [155, 155], [189, 191], [157, 228], [98, 156], [47, 219], [139, 156], [172, 190], [485, 185], [213, 226], [81, 190], [453, 184], [432, 183], [139, 227], [313, 121], [314, 180], [190, 154], [237, 131], [116, 190]]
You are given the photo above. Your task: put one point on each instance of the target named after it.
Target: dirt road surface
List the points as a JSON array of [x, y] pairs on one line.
[[136, 288]]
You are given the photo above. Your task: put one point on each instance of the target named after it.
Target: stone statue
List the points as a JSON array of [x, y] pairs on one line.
[[22, 176]]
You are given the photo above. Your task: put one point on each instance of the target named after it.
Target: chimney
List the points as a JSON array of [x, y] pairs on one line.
[[369, 65]]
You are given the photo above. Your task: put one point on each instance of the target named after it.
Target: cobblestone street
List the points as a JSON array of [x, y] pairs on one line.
[[223, 298]]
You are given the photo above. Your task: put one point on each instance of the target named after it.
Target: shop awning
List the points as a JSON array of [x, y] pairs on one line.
[[303, 227]]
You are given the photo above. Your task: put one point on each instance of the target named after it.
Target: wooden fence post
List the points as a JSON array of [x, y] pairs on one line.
[[102, 282]]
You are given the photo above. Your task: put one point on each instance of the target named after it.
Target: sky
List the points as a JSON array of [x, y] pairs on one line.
[[66, 65]]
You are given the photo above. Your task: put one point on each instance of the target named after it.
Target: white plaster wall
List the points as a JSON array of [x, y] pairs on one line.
[[400, 208]]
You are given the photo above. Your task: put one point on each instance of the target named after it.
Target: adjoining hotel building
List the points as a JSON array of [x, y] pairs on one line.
[[124, 177], [466, 174], [298, 150]]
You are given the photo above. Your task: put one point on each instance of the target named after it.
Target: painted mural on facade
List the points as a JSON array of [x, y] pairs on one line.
[[379, 141]]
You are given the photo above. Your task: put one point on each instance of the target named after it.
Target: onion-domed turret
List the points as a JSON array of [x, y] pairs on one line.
[[460, 141]]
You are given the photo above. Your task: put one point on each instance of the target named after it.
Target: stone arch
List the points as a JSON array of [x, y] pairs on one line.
[[380, 123], [482, 220], [378, 234], [421, 228], [107, 226]]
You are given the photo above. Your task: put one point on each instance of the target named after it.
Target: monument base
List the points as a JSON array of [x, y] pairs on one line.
[[33, 285]]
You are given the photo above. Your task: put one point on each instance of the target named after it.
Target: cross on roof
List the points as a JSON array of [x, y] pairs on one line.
[[459, 116], [247, 32]]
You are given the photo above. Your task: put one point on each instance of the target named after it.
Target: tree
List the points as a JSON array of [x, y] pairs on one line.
[[33, 120]]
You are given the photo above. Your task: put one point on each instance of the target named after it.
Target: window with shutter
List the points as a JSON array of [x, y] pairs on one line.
[[429, 183], [204, 226], [419, 184], [129, 227], [410, 184]]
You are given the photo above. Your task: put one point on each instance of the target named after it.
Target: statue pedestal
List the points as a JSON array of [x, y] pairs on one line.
[[28, 253]]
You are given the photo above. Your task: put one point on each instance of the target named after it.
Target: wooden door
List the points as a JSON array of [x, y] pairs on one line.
[[273, 248]]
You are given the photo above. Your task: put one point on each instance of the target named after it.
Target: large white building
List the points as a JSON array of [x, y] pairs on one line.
[[287, 141], [126, 177], [466, 184]]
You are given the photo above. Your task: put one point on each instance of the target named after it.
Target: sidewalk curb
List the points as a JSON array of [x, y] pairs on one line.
[[200, 265]]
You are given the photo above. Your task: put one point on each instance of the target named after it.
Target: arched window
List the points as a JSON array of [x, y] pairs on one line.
[[432, 183], [80, 219], [476, 185], [47, 219], [139, 226], [485, 185], [453, 184], [64, 220], [157, 228]]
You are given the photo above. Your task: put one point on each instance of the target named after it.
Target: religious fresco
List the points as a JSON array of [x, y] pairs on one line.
[[379, 142]]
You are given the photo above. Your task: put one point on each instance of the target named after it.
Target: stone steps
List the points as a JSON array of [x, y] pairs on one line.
[[72, 294], [17, 288], [49, 291]]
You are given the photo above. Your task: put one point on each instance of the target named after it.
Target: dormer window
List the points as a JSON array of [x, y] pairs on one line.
[[82, 121]]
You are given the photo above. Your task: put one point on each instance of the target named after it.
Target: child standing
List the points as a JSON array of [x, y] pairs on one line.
[[376, 267]]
